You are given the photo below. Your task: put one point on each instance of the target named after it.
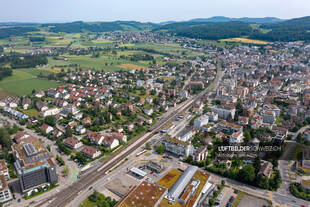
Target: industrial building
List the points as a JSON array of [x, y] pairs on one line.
[[176, 190]]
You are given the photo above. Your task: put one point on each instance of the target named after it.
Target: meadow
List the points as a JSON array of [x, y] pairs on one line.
[[23, 81]]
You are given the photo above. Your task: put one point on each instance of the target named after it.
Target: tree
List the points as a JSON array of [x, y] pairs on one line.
[[50, 120], [247, 136], [160, 149], [5, 139], [148, 146], [60, 160], [262, 182], [65, 171], [68, 132], [94, 197], [247, 174]]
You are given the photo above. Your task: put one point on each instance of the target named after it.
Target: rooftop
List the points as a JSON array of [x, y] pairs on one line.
[[144, 195]]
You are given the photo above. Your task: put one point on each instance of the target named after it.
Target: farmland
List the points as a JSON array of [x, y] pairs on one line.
[[127, 56], [245, 40]]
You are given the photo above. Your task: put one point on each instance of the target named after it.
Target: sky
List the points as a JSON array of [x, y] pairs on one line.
[[146, 10]]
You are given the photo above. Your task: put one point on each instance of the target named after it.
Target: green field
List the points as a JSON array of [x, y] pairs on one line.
[[23, 81], [113, 63]]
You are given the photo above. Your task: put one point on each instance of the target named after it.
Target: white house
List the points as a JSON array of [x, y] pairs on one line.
[[201, 121], [80, 129], [272, 107], [185, 135], [95, 137], [50, 112], [91, 152], [224, 112], [148, 111], [110, 142], [73, 143], [236, 138], [46, 128]]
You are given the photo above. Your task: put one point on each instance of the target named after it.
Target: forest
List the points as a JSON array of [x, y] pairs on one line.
[[5, 72], [290, 30], [79, 26], [15, 31], [26, 61]]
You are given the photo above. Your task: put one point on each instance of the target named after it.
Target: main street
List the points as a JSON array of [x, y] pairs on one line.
[[65, 196]]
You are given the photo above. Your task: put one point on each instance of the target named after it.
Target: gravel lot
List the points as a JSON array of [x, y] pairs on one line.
[[252, 201]]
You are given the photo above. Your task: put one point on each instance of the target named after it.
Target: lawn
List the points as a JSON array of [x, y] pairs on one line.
[[22, 82], [30, 112]]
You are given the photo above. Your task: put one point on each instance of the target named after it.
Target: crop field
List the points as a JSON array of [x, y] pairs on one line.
[[245, 40], [22, 83], [103, 62], [127, 45], [132, 66]]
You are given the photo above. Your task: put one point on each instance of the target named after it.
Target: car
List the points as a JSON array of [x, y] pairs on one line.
[[231, 199], [229, 205], [91, 187], [236, 191], [216, 204]]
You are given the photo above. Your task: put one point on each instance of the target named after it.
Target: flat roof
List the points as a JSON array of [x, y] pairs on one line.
[[145, 195], [181, 183], [138, 171]]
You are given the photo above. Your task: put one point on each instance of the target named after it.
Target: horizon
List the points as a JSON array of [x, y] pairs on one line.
[[35, 11], [152, 22]]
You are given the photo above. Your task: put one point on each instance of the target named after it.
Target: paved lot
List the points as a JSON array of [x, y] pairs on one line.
[[252, 201], [227, 192], [121, 187]]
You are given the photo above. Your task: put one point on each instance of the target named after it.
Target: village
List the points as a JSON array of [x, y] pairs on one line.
[[260, 98]]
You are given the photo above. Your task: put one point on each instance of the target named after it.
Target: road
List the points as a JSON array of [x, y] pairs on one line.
[[64, 197]]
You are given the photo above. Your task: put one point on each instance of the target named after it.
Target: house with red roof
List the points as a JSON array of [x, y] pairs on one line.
[[119, 136], [110, 142], [91, 152], [46, 128], [95, 138]]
